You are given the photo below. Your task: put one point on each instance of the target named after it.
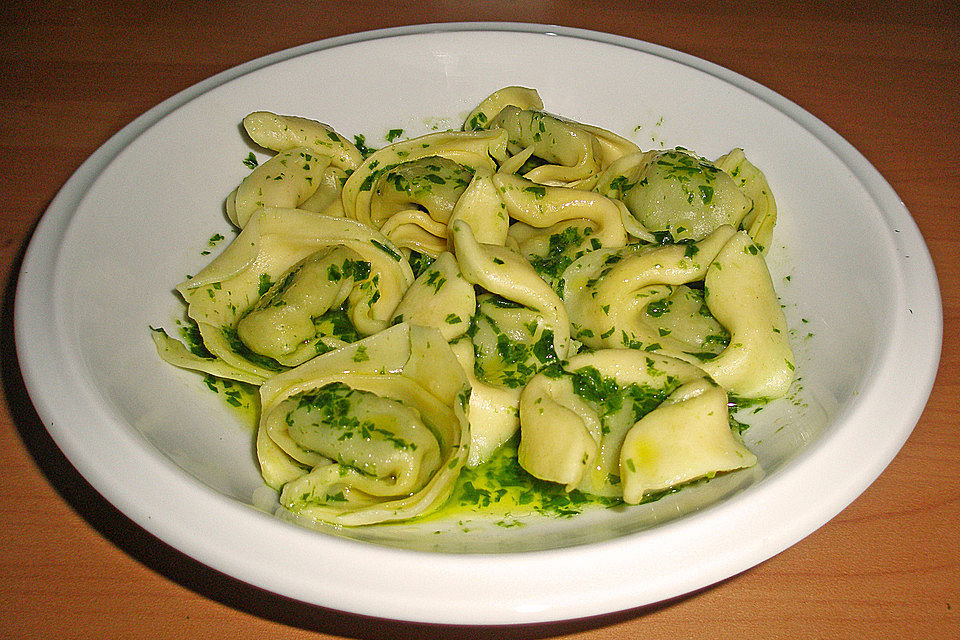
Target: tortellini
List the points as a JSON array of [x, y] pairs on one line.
[[373, 432], [405, 312], [678, 196], [286, 180], [268, 301], [607, 290], [686, 437], [621, 422], [450, 157], [758, 362], [413, 201], [571, 154], [305, 173], [566, 153]]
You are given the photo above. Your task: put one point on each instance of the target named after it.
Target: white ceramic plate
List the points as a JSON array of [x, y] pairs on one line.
[[855, 278]]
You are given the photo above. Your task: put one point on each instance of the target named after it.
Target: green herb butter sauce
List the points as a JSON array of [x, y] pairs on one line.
[[500, 490]]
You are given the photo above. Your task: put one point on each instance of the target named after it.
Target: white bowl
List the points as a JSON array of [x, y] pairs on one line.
[[855, 278]]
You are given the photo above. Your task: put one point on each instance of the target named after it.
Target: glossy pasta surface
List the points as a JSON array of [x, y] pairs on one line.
[[408, 311]]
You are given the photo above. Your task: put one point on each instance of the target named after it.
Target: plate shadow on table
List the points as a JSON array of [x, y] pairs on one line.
[[161, 558]]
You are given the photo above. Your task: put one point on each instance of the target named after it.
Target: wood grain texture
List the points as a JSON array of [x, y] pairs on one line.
[[884, 76]]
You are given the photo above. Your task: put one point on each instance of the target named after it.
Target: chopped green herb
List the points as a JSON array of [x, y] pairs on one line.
[[387, 250], [360, 142]]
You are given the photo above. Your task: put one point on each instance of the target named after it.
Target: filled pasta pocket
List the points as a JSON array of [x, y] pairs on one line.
[[373, 432]]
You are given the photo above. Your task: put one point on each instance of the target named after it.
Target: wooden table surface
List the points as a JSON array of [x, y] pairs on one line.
[[884, 76]]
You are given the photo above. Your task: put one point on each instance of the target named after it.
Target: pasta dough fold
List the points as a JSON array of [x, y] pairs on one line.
[[676, 194], [607, 291], [506, 274], [265, 259], [599, 425], [311, 160], [479, 151], [286, 180], [440, 297], [686, 438], [373, 432], [758, 362], [414, 200]]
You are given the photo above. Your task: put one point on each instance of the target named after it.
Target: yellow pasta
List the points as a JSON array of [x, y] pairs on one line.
[[405, 312]]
